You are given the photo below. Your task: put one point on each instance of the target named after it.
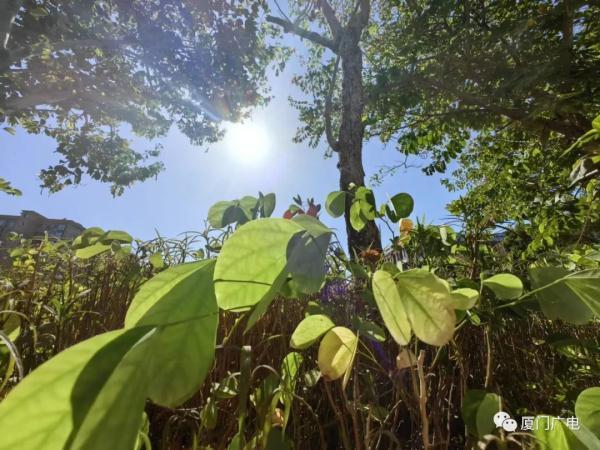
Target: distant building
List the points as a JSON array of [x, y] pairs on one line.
[[32, 225]]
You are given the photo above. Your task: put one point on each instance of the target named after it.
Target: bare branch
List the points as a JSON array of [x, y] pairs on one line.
[[316, 38]]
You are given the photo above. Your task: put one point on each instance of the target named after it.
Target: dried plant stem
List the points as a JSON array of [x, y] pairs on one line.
[[340, 417], [423, 400], [488, 365]]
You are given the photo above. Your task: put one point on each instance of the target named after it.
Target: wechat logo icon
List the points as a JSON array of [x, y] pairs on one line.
[[504, 421]]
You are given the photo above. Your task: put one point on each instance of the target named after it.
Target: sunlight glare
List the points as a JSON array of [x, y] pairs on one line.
[[247, 142]]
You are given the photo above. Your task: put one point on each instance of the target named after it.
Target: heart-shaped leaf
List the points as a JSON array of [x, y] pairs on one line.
[[505, 285], [309, 330], [336, 352]]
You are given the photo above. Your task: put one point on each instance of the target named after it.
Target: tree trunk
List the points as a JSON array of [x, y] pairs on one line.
[[351, 134]]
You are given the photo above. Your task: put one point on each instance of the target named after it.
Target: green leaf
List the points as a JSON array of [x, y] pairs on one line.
[[307, 253], [91, 251], [289, 376], [119, 236], [309, 330], [268, 205], [596, 123], [489, 406], [470, 405], [6, 187], [572, 297], [587, 409], [369, 329], [64, 402], [464, 298], [336, 203], [336, 353], [156, 260], [253, 262], [391, 307], [559, 437], [249, 206], [181, 302], [505, 286], [427, 302], [478, 410], [403, 205], [357, 220], [217, 213], [366, 200]]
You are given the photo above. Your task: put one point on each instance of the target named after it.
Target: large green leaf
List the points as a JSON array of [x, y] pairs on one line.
[[574, 298], [183, 298], [557, 437], [336, 352], [91, 396], [309, 330], [391, 307], [252, 264], [505, 285], [307, 253], [335, 204], [587, 409], [427, 301]]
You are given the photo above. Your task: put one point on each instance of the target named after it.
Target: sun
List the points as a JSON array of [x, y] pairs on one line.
[[248, 143]]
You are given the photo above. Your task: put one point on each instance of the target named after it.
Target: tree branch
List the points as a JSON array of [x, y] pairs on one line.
[[331, 140], [334, 24], [316, 38]]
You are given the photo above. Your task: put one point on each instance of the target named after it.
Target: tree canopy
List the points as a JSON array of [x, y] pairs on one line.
[[76, 71], [444, 72]]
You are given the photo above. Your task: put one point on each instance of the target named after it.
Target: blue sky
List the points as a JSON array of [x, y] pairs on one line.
[[194, 179]]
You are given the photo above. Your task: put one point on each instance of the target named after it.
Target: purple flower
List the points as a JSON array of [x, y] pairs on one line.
[[334, 289]]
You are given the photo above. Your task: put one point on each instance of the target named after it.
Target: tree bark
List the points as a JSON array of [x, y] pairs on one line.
[[345, 44], [351, 135]]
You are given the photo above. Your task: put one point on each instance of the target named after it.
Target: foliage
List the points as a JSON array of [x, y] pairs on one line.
[[170, 332], [8, 189], [149, 66], [443, 70]]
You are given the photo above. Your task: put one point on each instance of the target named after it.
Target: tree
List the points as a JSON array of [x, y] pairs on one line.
[[340, 33], [77, 70], [442, 71]]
